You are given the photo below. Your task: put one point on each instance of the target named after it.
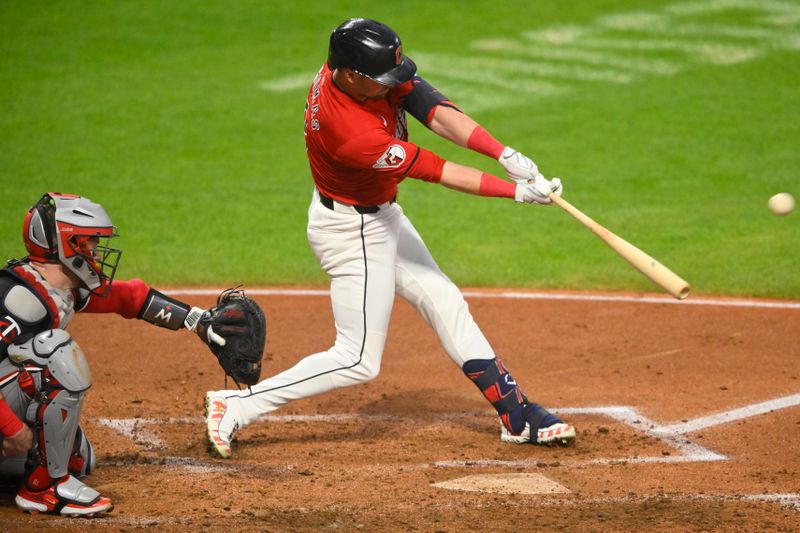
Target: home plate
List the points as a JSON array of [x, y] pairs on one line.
[[505, 484]]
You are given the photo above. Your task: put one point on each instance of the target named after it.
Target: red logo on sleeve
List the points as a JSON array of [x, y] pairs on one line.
[[393, 157]]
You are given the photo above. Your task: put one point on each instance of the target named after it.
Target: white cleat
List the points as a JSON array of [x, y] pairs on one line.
[[559, 434], [221, 423]]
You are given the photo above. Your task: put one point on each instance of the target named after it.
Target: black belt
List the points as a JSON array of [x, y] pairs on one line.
[[361, 209]]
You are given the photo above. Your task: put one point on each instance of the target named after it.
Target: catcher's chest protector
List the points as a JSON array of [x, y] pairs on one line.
[[30, 305]]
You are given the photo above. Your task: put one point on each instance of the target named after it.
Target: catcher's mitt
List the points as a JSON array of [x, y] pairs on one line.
[[235, 330]]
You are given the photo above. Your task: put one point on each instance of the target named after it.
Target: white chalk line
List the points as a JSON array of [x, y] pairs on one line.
[[672, 435], [730, 416], [691, 451], [522, 295]]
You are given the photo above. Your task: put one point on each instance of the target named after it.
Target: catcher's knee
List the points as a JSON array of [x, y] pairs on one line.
[[58, 355]]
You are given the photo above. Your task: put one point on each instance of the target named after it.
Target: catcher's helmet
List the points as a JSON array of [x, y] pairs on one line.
[[73, 231], [372, 49]]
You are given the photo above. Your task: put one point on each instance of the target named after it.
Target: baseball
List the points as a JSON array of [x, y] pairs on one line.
[[781, 204]]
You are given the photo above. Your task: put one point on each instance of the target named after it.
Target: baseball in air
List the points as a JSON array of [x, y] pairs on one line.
[[781, 204]]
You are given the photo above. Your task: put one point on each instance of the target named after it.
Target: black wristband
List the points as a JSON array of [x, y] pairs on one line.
[[163, 311]]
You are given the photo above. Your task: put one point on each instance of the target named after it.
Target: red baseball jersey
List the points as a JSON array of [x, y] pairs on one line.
[[359, 151]]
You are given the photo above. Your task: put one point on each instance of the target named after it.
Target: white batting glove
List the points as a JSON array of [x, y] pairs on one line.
[[538, 189], [519, 167]]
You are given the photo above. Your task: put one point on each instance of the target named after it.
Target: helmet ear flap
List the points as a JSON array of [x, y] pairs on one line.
[[39, 230]]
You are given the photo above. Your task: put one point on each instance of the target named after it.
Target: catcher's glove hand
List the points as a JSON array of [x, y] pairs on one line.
[[235, 330]]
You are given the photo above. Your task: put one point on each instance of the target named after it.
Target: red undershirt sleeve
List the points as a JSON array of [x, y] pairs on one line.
[[427, 166], [481, 141], [125, 298], [494, 186], [10, 424]]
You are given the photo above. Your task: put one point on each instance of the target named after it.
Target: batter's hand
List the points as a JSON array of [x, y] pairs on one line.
[[519, 167], [538, 189], [19, 443]]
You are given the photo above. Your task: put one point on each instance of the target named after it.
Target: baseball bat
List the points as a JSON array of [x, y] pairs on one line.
[[645, 264]]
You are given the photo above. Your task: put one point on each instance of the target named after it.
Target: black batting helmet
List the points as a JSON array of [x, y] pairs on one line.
[[372, 49]]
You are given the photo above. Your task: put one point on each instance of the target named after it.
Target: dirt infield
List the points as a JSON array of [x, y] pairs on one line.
[[688, 419]]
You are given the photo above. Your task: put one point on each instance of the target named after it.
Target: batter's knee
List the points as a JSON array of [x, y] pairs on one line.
[[357, 366], [369, 370]]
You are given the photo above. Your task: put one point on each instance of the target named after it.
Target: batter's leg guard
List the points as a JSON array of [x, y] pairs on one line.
[[521, 421]]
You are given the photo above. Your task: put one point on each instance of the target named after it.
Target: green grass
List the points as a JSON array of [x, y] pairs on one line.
[[156, 110]]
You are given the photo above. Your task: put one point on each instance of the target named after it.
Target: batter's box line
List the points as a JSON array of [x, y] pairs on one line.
[[691, 451], [672, 435], [138, 430]]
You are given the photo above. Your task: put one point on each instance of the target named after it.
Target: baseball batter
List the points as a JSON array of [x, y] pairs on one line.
[[44, 374], [358, 151]]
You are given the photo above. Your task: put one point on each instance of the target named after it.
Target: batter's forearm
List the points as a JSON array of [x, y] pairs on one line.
[[462, 130], [461, 178], [452, 125], [473, 181]]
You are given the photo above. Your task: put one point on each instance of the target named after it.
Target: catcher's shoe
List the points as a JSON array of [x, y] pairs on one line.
[[221, 423], [66, 496]]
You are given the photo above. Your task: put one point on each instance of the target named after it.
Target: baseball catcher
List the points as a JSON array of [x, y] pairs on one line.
[[44, 374]]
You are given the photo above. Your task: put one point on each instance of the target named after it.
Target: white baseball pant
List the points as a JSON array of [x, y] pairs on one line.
[[369, 258]]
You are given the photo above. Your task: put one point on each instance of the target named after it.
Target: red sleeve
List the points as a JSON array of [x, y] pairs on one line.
[[494, 186], [427, 167], [482, 141], [125, 298], [392, 157], [10, 424]]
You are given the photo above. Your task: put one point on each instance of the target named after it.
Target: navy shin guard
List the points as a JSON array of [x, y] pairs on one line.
[[502, 391], [497, 386]]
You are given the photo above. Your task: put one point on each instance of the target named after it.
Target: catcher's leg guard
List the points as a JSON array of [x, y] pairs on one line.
[[61, 447], [521, 419], [57, 419], [82, 461], [57, 404]]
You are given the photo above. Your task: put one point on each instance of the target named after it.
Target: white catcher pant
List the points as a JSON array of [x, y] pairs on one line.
[[369, 258]]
